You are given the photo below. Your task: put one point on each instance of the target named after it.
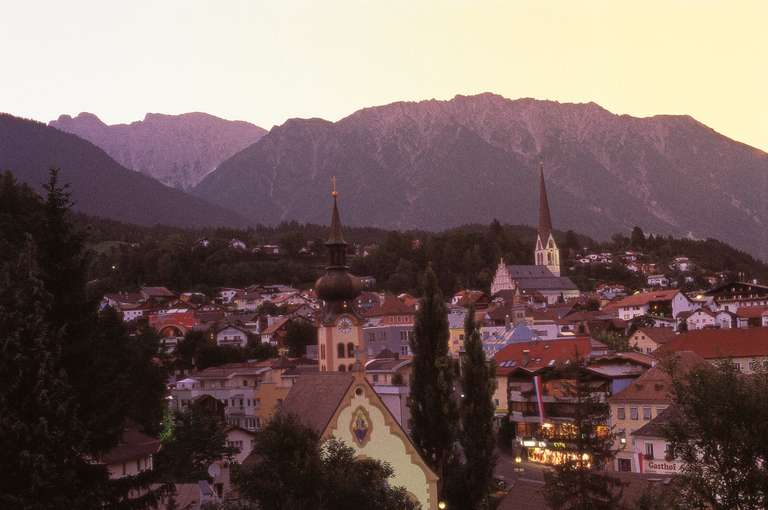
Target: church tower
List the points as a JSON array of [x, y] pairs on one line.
[[547, 253], [340, 331]]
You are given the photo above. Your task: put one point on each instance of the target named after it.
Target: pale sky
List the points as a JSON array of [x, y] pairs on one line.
[[268, 61]]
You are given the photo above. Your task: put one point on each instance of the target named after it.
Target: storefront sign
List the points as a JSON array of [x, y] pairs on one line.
[[665, 467]]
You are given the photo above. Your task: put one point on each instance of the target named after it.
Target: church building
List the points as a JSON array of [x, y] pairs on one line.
[[544, 276]]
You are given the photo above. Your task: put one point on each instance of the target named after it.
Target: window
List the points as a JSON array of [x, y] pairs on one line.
[[625, 465], [342, 368], [648, 450], [340, 350], [621, 414], [375, 378], [404, 350], [245, 382], [350, 350], [633, 413], [646, 413]]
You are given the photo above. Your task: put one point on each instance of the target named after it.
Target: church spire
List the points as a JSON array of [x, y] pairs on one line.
[[336, 237], [545, 220]]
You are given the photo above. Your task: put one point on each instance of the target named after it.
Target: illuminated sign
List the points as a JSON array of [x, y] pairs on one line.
[[663, 467]]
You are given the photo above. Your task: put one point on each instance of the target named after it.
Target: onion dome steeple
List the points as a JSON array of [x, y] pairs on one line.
[[337, 287]]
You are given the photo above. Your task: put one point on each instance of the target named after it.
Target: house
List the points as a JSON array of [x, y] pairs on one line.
[[642, 401], [745, 349], [237, 244], [682, 264], [700, 319], [242, 440], [248, 393], [734, 295], [389, 326], [390, 376], [651, 449], [157, 294], [345, 406], [517, 365], [751, 316], [132, 455], [657, 280], [657, 303], [231, 335], [227, 294], [275, 331], [648, 340], [725, 319]]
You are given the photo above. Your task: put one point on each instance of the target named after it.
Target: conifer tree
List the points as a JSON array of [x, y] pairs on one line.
[[434, 415], [40, 435], [579, 482], [476, 410]]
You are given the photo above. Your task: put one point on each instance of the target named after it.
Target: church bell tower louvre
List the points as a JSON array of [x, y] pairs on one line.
[[546, 252], [340, 331]]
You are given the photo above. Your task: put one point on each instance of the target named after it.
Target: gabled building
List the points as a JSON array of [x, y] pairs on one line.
[[345, 406], [734, 295], [658, 303], [647, 340], [746, 349], [642, 401]]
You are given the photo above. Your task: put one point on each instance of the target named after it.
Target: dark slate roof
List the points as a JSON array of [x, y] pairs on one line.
[[546, 283], [314, 398], [516, 272], [656, 427], [133, 445]]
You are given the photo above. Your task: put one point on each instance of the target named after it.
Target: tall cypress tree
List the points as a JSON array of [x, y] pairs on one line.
[[476, 411], [434, 415]]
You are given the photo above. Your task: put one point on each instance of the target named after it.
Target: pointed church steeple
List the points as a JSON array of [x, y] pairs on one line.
[[546, 252], [337, 247], [545, 220]]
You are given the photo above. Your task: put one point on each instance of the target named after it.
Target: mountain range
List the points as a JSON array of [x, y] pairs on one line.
[[437, 164], [99, 185], [177, 150]]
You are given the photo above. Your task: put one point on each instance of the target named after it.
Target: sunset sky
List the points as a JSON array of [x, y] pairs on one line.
[[269, 61]]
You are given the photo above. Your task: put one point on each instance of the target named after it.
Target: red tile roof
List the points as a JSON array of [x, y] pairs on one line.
[[646, 297], [659, 335], [655, 385], [541, 353], [751, 312], [720, 343]]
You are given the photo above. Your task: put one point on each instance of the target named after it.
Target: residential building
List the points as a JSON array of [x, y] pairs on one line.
[[746, 349], [231, 335], [700, 319], [640, 402], [651, 448], [657, 280], [657, 303], [734, 295], [133, 454], [647, 340]]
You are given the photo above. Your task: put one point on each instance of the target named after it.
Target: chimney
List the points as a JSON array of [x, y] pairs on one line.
[[526, 356]]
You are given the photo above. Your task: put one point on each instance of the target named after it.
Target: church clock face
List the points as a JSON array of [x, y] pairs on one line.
[[344, 325]]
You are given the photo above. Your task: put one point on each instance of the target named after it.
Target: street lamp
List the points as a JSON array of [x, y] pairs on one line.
[[442, 505], [518, 464]]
